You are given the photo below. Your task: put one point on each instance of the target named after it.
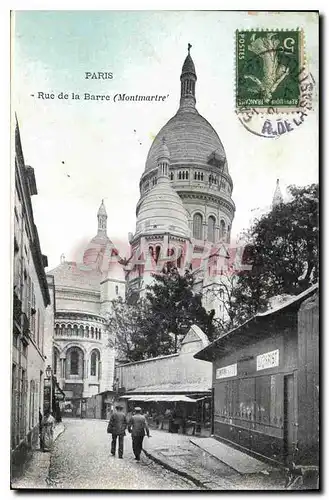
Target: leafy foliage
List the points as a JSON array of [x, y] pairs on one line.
[[176, 306], [156, 325], [283, 251]]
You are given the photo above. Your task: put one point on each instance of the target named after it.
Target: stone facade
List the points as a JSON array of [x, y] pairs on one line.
[[30, 299], [83, 351], [197, 170]]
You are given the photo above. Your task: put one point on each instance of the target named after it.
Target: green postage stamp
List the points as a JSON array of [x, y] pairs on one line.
[[268, 67]]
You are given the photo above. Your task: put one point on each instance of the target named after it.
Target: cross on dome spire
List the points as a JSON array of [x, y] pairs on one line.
[[188, 79]]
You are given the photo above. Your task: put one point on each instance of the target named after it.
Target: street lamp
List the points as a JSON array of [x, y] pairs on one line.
[[48, 373]]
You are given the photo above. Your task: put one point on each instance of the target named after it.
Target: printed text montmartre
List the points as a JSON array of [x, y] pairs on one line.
[[123, 97]]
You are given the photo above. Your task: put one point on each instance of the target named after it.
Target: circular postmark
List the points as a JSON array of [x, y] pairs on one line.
[[273, 122]]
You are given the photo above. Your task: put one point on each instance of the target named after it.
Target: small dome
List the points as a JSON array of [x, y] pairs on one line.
[[97, 249], [162, 210]]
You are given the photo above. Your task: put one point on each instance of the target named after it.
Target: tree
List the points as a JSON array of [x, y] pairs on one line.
[[131, 327], [124, 324], [156, 325], [283, 252], [174, 306]]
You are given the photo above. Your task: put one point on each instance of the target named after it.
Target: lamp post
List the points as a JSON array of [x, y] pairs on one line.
[[50, 385]]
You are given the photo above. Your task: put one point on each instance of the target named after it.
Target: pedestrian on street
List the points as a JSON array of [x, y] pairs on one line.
[[117, 427], [137, 426], [47, 430], [42, 445]]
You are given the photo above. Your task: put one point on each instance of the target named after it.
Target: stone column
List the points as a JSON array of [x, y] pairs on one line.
[[204, 230], [62, 371]]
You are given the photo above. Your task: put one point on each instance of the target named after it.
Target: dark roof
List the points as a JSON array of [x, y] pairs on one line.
[[188, 66], [240, 335]]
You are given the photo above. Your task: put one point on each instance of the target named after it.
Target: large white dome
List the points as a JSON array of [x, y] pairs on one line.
[[162, 210]]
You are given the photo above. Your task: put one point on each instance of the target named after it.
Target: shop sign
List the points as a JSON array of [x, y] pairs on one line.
[[226, 371], [268, 360]]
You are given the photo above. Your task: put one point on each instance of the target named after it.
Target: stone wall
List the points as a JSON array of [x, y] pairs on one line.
[[180, 368]]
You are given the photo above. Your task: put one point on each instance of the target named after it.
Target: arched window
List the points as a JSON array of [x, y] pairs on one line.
[[93, 364], [211, 229], [186, 174], [199, 176], [171, 176], [197, 226], [195, 176], [92, 332], [202, 176], [157, 253], [222, 229], [116, 290], [74, 365], [179, 175]]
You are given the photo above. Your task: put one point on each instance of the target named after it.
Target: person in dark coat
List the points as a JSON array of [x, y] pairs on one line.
[[117, 427], [137, 426], [42, 444]]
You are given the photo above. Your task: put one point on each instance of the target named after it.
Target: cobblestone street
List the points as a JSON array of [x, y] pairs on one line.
[[81, 459]]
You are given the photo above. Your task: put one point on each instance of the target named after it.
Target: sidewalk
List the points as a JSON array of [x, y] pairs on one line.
[[36, 472], [211, 464]]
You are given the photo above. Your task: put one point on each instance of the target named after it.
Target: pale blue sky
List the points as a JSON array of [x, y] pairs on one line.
[[103, 155]]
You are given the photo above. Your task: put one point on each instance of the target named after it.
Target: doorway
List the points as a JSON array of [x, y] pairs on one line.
[[289, 418]]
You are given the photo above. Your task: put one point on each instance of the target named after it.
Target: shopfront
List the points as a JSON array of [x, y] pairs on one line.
[[176, 413], [174, 390], [255, 382]]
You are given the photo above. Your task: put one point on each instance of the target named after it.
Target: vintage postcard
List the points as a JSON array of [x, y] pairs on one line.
[[165, 241]]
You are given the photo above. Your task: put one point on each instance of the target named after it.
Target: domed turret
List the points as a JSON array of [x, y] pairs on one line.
[[100, 246], [190, 137], [188, 79], [162, 209], [197, 167]]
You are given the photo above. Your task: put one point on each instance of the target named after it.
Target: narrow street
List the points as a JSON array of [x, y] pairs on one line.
[[81, 459]]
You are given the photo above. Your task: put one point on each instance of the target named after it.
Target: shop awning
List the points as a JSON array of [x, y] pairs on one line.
[[161, 397]]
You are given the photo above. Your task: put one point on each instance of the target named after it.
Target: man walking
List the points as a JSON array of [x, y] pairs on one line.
[[117, 427], [138, 426]]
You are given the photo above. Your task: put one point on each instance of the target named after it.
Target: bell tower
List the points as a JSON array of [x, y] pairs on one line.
[[102, 220], [188, 79]]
